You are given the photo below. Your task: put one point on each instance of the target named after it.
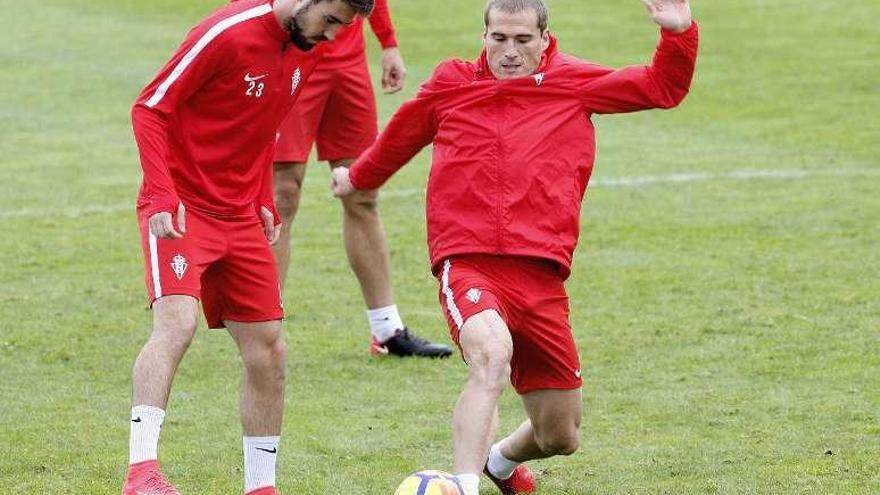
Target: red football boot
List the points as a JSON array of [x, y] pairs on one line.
[[145, 478], [266, 490], [521, 481]]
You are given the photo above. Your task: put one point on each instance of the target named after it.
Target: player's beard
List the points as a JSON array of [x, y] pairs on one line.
[[296, 32]]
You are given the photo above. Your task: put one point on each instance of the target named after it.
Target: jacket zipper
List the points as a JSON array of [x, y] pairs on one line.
[[499, 165]]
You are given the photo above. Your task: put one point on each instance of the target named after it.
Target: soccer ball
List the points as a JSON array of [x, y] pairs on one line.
[[430, 483]]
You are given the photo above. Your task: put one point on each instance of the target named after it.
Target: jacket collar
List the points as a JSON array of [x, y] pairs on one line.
[[484, 72], [273, 26]]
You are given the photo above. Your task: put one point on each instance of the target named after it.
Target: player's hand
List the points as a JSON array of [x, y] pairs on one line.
[[272, 231], [340, 183], [671, 14], [393, 70], [162, 226]]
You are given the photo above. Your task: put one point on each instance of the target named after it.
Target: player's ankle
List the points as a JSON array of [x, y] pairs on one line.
[[470, 483], [499, 466], [384, 322]]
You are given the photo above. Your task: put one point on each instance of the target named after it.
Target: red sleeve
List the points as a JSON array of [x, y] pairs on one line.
[[663, 84], [411, 128], [196, 60], [267, 192], [380, 23]]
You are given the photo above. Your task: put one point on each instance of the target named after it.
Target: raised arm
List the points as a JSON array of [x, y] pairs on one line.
[[662, 84]]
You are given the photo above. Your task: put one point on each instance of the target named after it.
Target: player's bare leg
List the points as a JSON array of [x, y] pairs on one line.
[[264, 362], [174, 324], [487, 346], [367, 252], [365, 244], [552, 429], [287, 182]]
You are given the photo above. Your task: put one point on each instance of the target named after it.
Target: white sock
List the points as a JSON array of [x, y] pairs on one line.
[[470, 483], [384, 322], [260, 454], [143, 444], [500, 466]]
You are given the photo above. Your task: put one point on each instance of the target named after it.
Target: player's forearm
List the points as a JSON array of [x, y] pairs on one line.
[[367, 174], [672, 68], [662, 84], [387, 155], [411, 128], [380, 23], [380, 163], [267, 192], [150, 132]]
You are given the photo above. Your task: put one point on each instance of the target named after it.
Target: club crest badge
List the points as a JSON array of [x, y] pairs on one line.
[[539, 78], [295, 80], [179, 265], [473, 295]]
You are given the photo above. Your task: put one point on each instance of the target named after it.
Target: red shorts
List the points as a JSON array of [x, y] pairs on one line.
[[226, 263], [336, 109], [530, 296]]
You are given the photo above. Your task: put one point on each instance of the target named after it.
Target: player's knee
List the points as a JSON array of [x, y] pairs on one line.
[[491, 369], [287, 195], [361, 204], [174, 337], [559, 441], [278, 359], [286, 208], [269, 359]]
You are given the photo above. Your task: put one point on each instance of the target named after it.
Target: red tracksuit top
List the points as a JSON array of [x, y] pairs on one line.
[[349, 47], [512, 158], [206, 125]]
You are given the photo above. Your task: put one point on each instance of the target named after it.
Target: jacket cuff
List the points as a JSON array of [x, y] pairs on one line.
[[276, 217], [389, 41], [687, 32], [166, 204], [355, 177]]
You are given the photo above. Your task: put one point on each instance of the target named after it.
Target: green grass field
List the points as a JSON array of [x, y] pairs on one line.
[[726, 293]]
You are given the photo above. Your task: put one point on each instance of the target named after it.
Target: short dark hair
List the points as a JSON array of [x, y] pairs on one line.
[[362, 7], [517, 6]]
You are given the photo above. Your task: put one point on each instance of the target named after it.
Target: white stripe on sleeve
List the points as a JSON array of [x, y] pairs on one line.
[[200, 45]]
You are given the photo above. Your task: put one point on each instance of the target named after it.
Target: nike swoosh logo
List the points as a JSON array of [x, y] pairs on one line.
[[137, 420], [249, 78], [273, 451]]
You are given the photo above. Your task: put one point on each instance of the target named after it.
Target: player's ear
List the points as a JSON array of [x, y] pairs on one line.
[[545, 40]]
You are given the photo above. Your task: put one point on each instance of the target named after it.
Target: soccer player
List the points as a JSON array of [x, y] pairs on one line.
[[513, 152], [205, 128], [338, 111]]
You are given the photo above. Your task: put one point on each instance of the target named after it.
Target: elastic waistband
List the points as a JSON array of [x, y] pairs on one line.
[[507, 261]]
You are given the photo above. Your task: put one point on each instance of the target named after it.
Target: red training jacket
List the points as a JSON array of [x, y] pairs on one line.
[[206, 125], [512, 158], [349, 47]]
